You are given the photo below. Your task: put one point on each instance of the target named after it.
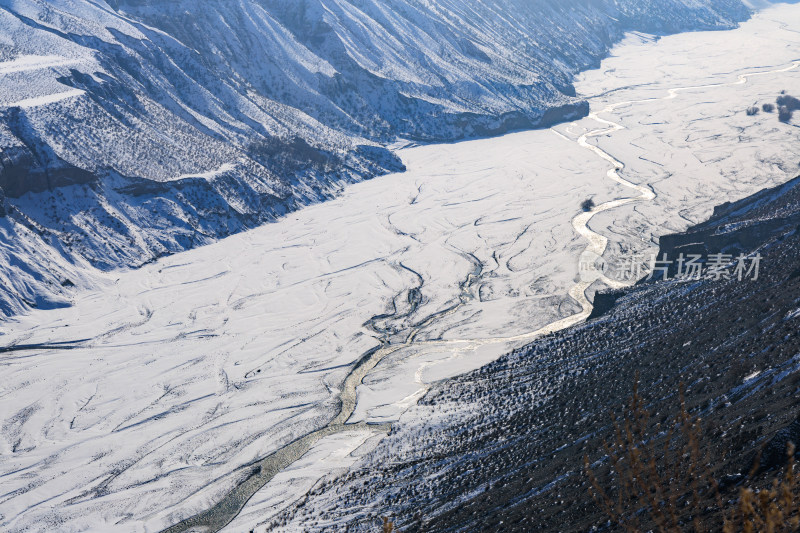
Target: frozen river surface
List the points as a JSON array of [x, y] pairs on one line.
[[152, 397]]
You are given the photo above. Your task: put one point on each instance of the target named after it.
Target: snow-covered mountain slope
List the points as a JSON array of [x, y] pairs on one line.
[[130, 129], [147, 401]]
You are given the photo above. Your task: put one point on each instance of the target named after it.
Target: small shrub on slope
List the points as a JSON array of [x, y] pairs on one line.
[[657, 477]]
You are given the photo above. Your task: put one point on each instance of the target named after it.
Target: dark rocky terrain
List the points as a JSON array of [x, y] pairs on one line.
[[501, 448]]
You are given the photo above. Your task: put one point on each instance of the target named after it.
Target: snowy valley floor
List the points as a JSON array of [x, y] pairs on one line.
[[156, 390]]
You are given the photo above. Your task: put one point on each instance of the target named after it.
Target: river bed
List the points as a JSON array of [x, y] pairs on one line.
[[176, 378]]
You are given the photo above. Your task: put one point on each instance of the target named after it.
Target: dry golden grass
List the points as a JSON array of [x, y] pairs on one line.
[[772, 510], [658, 477], [388, 525]]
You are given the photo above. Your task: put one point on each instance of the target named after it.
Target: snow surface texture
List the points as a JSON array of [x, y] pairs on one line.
[[695, 146], [132, 129], [171, 379], [502, 448]]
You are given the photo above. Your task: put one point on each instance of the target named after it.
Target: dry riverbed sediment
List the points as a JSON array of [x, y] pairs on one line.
[[186, 376]]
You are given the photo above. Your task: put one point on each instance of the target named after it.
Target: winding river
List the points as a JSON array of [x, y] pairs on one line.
[[261, 472], [212, 388]]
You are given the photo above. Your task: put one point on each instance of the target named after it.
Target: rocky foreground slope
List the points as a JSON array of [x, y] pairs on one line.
[[130, 129], [502, 448]]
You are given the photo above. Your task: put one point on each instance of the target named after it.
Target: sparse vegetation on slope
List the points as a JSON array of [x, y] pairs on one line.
[[659, 476], [787, 105]]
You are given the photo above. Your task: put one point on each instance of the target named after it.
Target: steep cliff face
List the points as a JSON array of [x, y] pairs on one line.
[[130, 129]]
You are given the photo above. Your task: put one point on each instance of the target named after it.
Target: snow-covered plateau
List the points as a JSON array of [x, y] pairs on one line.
[[156, 393]]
